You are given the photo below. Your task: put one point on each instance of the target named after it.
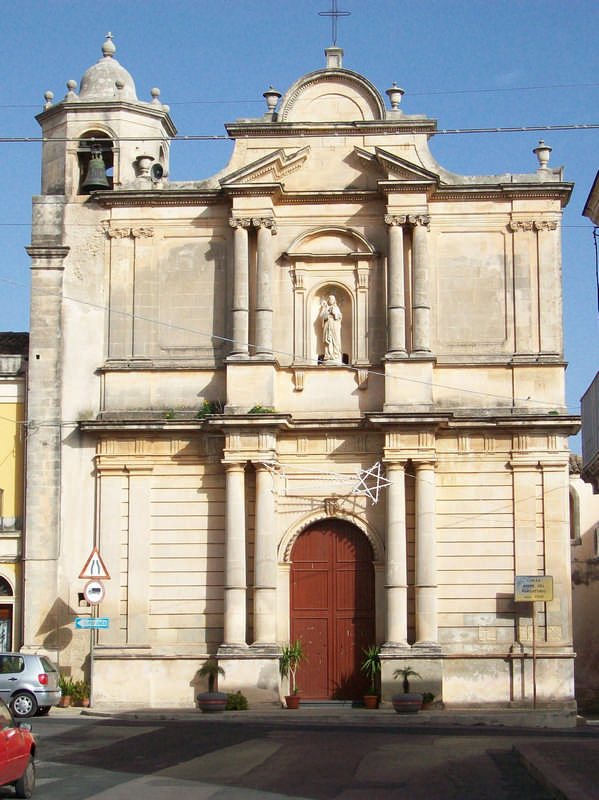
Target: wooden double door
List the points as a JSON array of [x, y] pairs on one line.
[[332, 608]]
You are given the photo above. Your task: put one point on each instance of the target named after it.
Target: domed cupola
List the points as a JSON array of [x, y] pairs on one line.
[[107, 79]]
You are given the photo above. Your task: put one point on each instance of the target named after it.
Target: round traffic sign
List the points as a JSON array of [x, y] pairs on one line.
[[94, 592]]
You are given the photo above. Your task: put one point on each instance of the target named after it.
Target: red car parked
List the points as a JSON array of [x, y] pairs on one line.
[[17, 754]]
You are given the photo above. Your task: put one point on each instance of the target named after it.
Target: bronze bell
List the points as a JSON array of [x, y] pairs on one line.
[[96, 173]]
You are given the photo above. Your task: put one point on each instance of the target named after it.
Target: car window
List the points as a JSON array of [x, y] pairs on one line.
[[47, 665], [11, 664], [6, 720]]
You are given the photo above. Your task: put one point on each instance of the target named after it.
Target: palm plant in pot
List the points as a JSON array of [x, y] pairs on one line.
[[212, 701], [292, 655], [407, 702], [371, 666]]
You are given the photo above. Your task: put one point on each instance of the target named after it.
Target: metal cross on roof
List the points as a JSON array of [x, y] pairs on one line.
[[334, 14]]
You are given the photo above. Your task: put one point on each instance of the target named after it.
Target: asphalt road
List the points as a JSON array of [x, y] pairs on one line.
[[111, 759]]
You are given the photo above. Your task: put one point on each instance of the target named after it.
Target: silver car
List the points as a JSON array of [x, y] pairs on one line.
[[28, 683]]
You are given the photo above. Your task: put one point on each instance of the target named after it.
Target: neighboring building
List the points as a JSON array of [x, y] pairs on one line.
[[584, 534], [13, 371], [214, 362], [590, 399]]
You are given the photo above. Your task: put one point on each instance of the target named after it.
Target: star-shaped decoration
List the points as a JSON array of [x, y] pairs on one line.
[[370, 482]]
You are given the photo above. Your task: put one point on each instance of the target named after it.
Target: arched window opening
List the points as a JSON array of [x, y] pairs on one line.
[[5, 588], [96, 162]]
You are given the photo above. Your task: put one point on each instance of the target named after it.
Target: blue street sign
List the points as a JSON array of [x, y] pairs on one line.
[[91, 622]]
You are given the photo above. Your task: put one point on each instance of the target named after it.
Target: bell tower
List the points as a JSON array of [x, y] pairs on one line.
[[104, 137]]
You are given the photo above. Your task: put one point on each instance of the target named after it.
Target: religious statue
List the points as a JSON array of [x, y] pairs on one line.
[[331, 316]]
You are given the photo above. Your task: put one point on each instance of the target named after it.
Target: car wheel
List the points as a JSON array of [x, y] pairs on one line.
[[23, 704], [43, 710], [26, 784]]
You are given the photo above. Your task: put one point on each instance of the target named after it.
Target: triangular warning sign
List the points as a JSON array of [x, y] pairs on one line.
[[95, 568]]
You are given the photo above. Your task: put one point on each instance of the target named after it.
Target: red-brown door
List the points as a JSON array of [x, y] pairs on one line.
[[332, 608]]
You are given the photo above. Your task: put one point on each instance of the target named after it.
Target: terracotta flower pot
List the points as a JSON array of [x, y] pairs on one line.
[[371, 701], [407, 703], [65, 701], [292, 700]]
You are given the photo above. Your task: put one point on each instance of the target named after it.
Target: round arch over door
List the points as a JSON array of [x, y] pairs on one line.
[[332, 608]]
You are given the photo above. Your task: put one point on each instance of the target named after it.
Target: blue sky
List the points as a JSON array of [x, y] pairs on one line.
[[468, 65]]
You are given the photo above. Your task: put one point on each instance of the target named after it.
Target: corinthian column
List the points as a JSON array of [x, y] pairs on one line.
[[426, 555], [264, 307], [235, 569], [421, 307], [265, 561], [396, 573], [240, 310], [396, 303]]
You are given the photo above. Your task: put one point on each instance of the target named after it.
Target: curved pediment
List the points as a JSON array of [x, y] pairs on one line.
[[338, 242], [332, 95]]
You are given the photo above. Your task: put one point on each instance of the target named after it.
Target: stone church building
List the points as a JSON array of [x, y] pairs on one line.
[[319, 395]]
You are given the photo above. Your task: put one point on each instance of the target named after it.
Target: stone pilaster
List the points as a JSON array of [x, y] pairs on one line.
[[138, 555], [556, 512], [426, 556], [264, 311], [525, 324], [421, 304], [265, 563], [240, 310], [396, 570], [234, 635], [396, 301], [109, 492], [550, 288], [43, 496]]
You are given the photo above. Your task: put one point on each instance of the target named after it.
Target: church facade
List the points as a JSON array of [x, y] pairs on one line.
[[317, 396]]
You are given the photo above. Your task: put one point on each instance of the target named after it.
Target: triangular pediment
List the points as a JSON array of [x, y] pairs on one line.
[[268, 169], [394, 167]]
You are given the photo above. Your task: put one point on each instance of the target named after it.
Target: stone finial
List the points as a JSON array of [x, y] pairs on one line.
[[71, 86], [542, 153], [155, 96], [334, 57], [394, 94], [272, 97], [108, 48], [48, 97]]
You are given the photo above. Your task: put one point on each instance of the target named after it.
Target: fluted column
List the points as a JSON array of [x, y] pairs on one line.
[[265, 569], [234, 634], [396, 572], [396, 302], [426, 555], [264, 304], [240, 310], [421, 306]]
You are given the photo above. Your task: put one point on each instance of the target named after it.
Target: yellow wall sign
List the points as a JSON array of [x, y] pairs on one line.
[[532, 588]]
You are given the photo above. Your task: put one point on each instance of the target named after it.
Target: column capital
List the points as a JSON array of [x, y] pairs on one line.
[[423, 220], [233, 466], [265, 222], [395, 219], [240, 222], [545, 225]]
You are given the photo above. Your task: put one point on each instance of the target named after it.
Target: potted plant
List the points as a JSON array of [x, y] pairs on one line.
[[408, 702], [212, 701], [371, 666], [427, 699], [291, 657], [65, 683], [80, 693]]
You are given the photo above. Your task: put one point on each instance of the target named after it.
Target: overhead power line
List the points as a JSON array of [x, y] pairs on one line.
[[579, 126]]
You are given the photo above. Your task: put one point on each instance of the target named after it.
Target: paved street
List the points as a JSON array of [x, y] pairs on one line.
[[240, 759]]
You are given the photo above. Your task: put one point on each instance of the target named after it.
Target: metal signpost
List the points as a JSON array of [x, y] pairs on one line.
[[532, 589], [95, 573]]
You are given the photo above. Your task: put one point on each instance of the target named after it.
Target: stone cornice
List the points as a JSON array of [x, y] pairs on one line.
[[260, 128], [111, 106]]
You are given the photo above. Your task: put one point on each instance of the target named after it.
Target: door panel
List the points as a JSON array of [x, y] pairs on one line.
[[332, 608]]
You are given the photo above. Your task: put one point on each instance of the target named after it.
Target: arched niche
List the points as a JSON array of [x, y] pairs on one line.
[[90, 144], [338, 261], [332, 95]]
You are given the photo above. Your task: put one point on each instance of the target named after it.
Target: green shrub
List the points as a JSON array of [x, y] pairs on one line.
[[236, 702], [66, 685]]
